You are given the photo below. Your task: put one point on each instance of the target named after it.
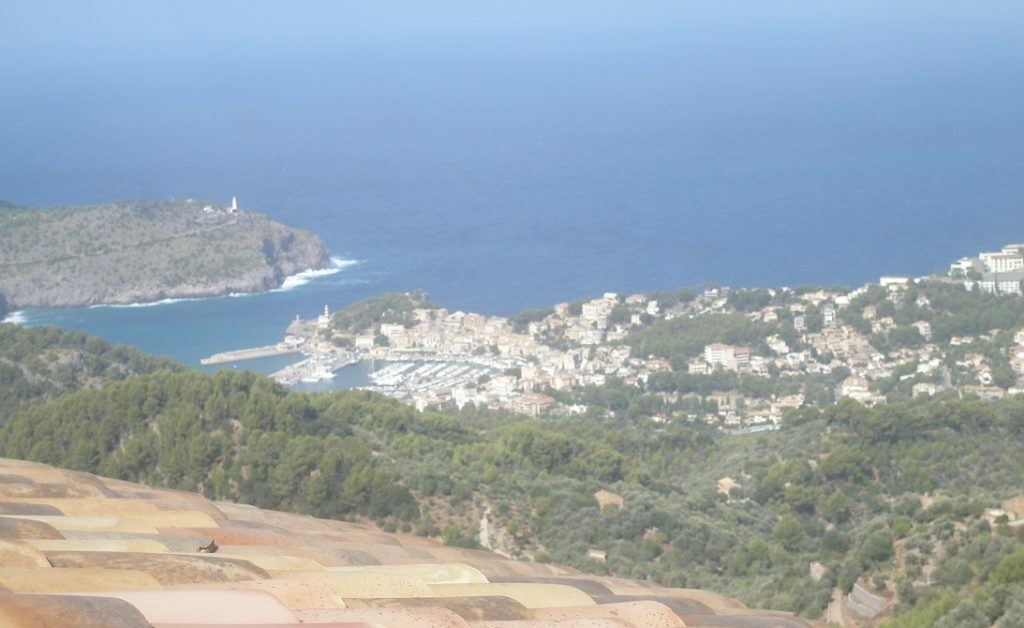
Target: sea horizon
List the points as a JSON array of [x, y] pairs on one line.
[[506, 161]]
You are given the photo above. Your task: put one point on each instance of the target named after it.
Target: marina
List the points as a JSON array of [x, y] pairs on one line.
[[397, 372], [407, 377], [316, 368]]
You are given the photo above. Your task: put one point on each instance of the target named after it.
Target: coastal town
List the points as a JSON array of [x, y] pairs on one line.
[[788, 348]]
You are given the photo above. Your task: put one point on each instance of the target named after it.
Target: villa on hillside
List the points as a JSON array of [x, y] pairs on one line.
[[996, 272]]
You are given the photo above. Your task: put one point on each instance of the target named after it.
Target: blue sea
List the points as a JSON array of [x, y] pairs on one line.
[[517, 154]]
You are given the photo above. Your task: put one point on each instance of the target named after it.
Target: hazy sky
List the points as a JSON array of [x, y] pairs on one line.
[[408, 132], [102, 35]]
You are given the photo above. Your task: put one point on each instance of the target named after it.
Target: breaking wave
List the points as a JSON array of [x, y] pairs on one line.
[[18, 318], [300, 279], [148, 303], [291, 282]]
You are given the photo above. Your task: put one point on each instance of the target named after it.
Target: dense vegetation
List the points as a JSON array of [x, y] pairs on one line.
[[521, 321], [950, 309], [844, 487], [43, 362], [369, 314], [891, 497], [233, 435], [680, 338]]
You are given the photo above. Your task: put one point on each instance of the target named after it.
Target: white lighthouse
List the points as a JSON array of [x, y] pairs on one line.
[[234, 205]]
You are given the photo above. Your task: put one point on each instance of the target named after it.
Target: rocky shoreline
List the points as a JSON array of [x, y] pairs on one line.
[[143, 252]]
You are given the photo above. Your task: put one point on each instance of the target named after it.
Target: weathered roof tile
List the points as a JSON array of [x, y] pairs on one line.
[[76, 549]]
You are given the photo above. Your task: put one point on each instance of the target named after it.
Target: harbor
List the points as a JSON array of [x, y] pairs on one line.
[[400, 373], [321, 358], [402, 378], [255, 353], [316, 368]]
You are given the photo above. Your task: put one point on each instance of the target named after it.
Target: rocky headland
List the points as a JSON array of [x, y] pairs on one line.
[[140, 252]]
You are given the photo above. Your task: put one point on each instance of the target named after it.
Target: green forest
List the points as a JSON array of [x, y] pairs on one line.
[[891, 497], [396, 308]]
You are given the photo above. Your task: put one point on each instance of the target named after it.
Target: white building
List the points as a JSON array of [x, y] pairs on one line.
[[1004, 261], [728, 357], [454, 320], [778, 345], [503, 385], [855, 388], [596, 311], [392, 330], [924, 328], [325, 319], [894, 282], [963, 266], [924, 388], [829, 314], [698, 366], [1008, 284]]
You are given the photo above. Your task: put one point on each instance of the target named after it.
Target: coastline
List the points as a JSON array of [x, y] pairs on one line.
[[301, 278], [806, 345], [291, 282], [155, 251]]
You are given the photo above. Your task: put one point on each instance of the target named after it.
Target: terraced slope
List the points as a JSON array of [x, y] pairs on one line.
[[80, 550]]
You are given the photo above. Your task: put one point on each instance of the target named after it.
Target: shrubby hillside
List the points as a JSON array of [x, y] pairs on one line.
[[368, 314], [892, 497], [144, 251], [43, 362], [237, 436]]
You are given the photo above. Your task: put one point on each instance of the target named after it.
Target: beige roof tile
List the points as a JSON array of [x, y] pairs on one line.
[[164, 568], [529, 594], [89, 538], [361, 585], [20, 528], [207, 607], [475, 608], [430, 573], [21, 554], [564, 623], [99, 545], [403, 617], [295, 594], [60, 611], [640, 613], [71, 580]]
